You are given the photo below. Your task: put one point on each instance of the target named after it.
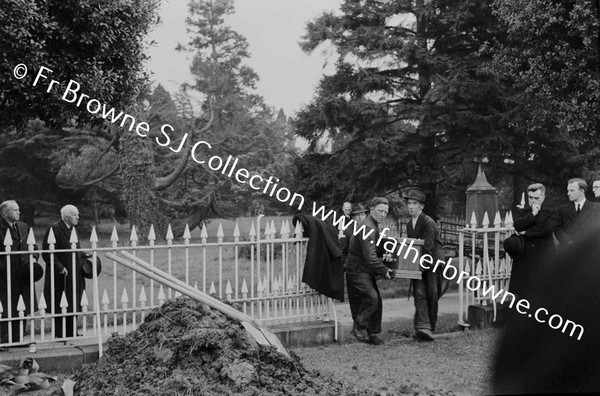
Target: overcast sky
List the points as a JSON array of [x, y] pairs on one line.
[[273, 29]]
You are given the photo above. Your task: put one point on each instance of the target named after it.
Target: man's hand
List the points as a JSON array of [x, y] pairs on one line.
[[64, 272], [535, 209], [391, 274]]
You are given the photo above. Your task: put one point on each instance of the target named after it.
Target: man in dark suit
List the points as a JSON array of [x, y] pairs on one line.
[[20, 267], [63, 272], [426, 291], [596, 190], [536, 223], [362, 267], [577, 217]]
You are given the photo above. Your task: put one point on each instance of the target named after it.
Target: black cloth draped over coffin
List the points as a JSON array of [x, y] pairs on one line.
[[323, 268]]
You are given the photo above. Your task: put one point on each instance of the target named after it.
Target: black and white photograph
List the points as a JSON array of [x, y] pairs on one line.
[[299, 197]]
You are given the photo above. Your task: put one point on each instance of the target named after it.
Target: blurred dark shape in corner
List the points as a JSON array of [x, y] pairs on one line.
[[530, 356]]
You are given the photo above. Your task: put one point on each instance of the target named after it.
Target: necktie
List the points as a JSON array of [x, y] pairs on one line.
[[16, 230], [578, 208]]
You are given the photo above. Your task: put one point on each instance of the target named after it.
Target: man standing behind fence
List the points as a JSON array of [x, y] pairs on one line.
[[64, 280], [426, 291], [577, 217], [536, 223], [362, 266], [19, 277]]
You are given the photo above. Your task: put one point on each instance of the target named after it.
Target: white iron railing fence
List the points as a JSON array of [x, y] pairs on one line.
[[481, 253], [262, 274]]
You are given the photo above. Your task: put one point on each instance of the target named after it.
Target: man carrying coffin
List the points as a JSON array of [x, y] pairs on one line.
[[426, 291]]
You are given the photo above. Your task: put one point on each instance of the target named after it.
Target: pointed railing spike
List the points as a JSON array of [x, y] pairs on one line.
[[42, 302], [220, 233], [143, 295], [236, 232], [244, 286], [114, 236], [169, 236], [94, 235], [21, 305], [64, 304], [84, 299], [252, 232], [212, 290], [486, 220], [497, 220], [30, 238], [473, 222], [124, 297], [105, 300], [151, 233], [133, 238], [8, 239], [161, 295], [203, 233], [51, 237], [73, 239], [186, 233]]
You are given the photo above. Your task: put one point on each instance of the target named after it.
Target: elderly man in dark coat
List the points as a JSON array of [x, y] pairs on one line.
[[64, 272], [536, 223], [426, 291], [362, 268], [20, 267]]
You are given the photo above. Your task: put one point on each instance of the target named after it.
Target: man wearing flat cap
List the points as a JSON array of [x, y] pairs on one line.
[[362, 268], [427, 289]]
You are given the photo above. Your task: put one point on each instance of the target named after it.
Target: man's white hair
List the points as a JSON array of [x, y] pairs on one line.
[[4, 206], [68, 210]]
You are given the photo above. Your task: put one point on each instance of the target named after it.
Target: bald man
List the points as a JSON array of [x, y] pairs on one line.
[[63, 274]]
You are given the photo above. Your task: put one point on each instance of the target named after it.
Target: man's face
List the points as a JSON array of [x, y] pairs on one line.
[[379, 212], [72, 218], [535, 198], [574, 192], [596, 188], [359, 216], [347, 208], [414, 207], [12, 213]]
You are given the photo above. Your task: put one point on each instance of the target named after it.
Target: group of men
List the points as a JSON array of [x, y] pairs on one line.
[[64, 272], [546, 229], [556, 270], [364, 264]]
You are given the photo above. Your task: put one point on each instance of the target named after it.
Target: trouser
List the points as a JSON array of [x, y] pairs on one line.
[[369, 307], [353, 296], [425, 293]]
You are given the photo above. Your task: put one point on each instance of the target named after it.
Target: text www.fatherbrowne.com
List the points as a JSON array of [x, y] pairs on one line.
[[473, 283], [73, 95]]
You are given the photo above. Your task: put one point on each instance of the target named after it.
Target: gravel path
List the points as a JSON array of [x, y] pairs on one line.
[[456, 364]]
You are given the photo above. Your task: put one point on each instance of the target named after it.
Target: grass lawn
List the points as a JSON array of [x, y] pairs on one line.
[[460, 364]]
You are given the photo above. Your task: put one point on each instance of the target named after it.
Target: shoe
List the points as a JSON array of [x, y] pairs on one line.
[[424, 335], [360, 335], [374, 340]]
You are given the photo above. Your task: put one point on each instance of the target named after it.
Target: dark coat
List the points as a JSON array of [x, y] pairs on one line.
[[362, 252], [571, 226], [323, 268], [532, 357], [62, 233], [427, 230], [19, 271], [539, 244]]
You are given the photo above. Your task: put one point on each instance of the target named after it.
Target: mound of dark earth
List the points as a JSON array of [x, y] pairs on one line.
[[186, 348]]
